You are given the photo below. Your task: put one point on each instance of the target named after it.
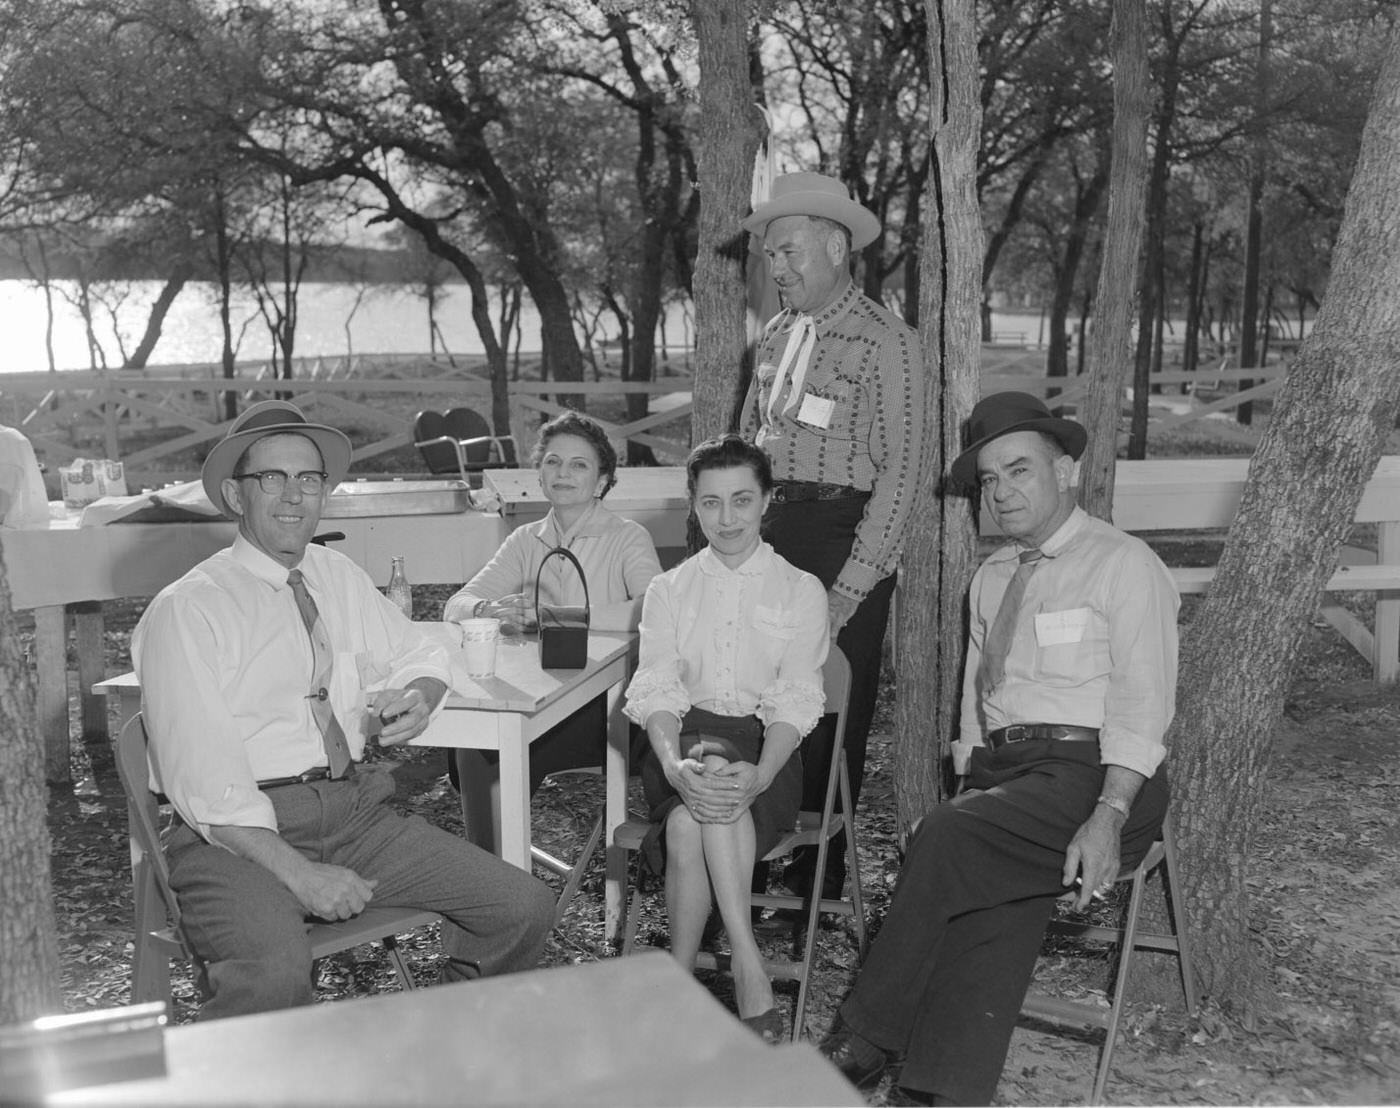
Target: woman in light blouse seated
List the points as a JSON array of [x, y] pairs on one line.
[[577, 466], [729, 681]]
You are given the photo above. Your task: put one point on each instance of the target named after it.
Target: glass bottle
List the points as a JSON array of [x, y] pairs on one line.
[[399, 590]]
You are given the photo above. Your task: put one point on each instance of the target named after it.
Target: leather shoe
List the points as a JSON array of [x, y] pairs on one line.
[[859, 1060]]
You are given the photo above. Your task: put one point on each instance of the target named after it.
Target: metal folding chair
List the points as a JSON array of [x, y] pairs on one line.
[[158, 936], [460, 441], [1068, 1013]]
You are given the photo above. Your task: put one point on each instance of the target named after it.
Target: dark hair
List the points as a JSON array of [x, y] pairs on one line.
[[726, 452], [591, 431]]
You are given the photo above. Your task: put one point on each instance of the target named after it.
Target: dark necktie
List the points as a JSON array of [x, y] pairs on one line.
[[337, 750], [998, 644]]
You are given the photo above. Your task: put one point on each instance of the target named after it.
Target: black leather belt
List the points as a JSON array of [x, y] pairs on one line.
[[1025, 732], [788, 492], [319, 773]]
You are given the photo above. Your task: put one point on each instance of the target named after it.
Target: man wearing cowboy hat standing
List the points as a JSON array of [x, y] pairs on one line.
[[1068, 691], [837, 401], [254, 669]]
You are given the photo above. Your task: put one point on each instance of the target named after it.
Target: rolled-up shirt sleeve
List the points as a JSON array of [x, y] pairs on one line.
[[196, 748], [503, 575], [657, 685], [1141, 697], [796, 695], [397, 651]]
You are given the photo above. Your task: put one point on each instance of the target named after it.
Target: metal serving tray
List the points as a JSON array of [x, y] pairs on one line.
[[397, 498]]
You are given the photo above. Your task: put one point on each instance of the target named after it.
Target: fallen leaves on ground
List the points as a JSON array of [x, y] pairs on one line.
[[1326, 914]]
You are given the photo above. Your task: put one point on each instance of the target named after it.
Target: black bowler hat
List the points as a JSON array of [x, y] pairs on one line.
[[1004, 412]]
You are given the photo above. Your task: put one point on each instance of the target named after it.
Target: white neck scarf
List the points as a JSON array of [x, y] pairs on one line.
[[801, 339]]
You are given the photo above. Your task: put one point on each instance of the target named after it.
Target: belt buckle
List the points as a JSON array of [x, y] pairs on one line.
[[779, 493], [1017, 732]]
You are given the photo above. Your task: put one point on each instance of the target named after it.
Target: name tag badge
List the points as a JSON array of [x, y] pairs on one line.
[[816, 411], [1059, 628]]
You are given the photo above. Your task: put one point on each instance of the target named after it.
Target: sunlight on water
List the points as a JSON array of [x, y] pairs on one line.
[[388, 319]]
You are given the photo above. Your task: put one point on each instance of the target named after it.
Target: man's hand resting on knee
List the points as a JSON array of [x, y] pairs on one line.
[[326, 892]]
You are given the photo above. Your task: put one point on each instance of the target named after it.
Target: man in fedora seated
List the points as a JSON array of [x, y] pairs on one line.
[[837, 402], [255, 671], [1068, 691]]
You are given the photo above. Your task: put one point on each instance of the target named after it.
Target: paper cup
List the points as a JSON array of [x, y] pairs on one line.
[[479, 639]]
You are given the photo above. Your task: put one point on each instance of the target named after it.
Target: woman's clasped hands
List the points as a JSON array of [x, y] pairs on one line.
[[714, 789]]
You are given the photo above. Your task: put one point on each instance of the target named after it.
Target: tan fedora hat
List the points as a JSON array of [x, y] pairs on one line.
[[816, 194], [1005, 412], [271, 417]]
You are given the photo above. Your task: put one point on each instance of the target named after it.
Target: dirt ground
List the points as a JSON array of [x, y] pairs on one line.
[[1326, 914]]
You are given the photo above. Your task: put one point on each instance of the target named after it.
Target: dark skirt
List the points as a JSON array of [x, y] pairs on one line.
[[774, 811]]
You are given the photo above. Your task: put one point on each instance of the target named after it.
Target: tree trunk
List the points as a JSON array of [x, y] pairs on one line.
[[1254, 232], [182, 272], [1151, 286], [223, 264], [729, 133], [1320, 448], [940, 550], [1067, 273], [1110, 345], [1191, 341], [28, 951]]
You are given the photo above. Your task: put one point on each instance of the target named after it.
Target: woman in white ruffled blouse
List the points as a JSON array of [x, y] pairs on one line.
[[729, 681]]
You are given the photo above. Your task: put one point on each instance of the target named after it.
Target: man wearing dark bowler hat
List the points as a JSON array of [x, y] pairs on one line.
[[1068, 692], [837, 402], [256, 668]]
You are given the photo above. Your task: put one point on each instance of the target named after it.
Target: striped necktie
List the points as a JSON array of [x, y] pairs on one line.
[[337, 750], [998, 644]]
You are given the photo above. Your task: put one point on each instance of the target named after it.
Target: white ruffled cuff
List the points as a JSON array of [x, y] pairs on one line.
[[800, 703], [651, 692]]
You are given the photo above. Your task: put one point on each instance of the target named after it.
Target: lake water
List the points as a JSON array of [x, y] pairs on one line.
[[388, 319]]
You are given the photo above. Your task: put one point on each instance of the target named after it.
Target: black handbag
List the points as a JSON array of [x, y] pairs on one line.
[[563, 629]]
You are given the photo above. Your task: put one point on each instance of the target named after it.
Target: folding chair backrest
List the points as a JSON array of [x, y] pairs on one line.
[[147, 857], [836, 683], [439, 456], [463, 423]]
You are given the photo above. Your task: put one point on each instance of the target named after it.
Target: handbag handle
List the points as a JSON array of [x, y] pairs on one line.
[[563, 552]]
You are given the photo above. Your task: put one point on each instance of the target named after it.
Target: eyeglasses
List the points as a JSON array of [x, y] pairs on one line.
[[273, 481]]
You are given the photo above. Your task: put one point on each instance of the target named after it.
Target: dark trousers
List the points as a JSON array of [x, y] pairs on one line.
[[817, 535], [251, 932], [946, 976]]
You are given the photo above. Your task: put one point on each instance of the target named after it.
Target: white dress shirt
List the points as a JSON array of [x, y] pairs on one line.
[[1095, 644], [21, 482], [736, 642], [225, 665]]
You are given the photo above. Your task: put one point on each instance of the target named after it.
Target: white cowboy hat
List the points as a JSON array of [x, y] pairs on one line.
[[271, 417], [819, 195]]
